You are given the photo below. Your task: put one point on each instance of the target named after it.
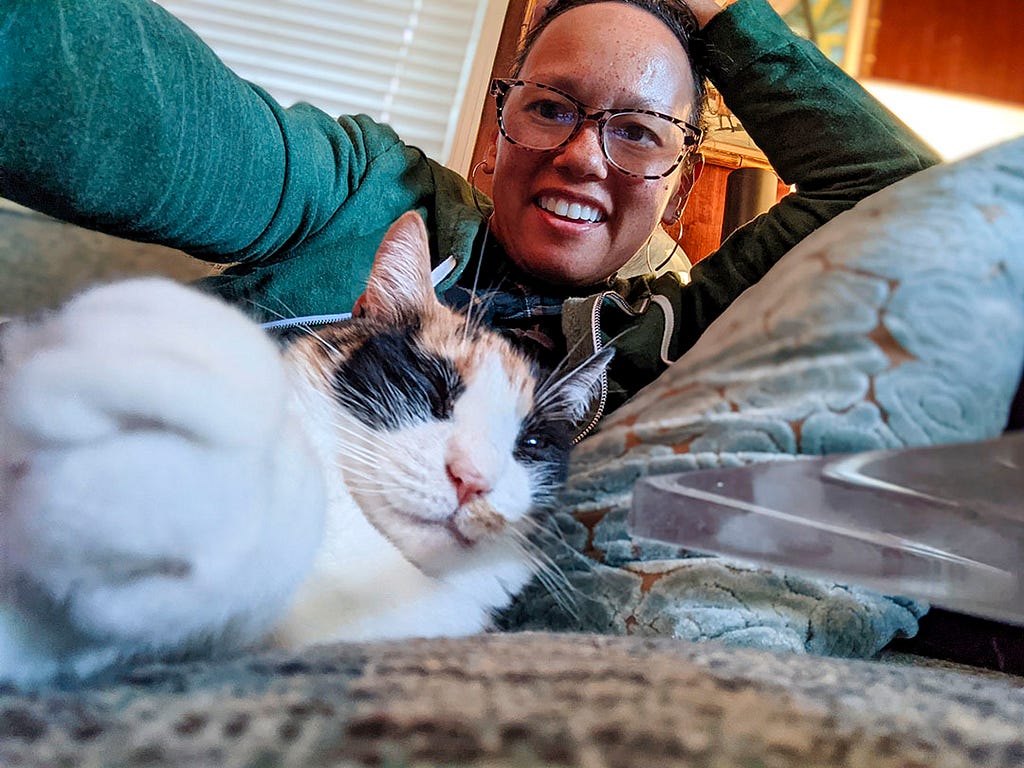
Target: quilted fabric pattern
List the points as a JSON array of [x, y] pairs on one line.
[[900, 323]]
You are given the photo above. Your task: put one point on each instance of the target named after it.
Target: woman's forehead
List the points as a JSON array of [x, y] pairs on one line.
[[613, 55]]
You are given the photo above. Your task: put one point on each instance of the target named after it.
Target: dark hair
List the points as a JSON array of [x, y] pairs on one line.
[[674, 14]]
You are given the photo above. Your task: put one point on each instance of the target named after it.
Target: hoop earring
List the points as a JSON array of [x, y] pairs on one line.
[[477, 194], [692, 174], [677, 214], [675, 247], [650, 266]]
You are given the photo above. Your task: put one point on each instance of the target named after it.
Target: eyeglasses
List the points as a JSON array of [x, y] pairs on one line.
[[638, 142]]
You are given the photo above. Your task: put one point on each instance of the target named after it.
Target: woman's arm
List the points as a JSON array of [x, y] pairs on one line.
[[115, 116], [820, 130]]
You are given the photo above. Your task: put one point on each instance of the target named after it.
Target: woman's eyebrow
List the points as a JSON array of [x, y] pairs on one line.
[[567, 85]]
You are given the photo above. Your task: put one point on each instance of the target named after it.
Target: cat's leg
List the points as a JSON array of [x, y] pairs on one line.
[[156, 488]]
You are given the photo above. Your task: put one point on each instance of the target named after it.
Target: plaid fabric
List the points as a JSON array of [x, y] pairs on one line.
[[503, 297]]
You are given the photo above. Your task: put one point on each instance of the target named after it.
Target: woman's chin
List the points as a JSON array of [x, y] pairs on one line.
[[559, 251], [562, 264]]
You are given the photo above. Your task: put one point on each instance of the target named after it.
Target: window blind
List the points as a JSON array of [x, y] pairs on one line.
[[404, 62]]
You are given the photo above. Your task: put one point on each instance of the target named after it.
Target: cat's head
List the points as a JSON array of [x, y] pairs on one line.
[[445, 436]]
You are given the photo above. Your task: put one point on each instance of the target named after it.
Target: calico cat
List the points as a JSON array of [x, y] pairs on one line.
[[171, 480]]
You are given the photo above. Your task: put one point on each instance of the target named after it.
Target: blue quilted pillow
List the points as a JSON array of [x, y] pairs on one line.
[[900, 323]]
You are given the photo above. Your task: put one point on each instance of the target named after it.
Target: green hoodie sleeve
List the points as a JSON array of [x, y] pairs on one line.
[[822, 133], [819, 128], [115, 116]]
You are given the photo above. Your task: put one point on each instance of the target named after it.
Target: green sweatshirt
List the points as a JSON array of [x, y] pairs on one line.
[[114, 116]]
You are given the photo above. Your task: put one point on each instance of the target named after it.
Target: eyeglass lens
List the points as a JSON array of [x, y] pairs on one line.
[[638, 143]]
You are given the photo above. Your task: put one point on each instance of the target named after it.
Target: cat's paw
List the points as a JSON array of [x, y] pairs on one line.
[[155, 487], [138, 354]]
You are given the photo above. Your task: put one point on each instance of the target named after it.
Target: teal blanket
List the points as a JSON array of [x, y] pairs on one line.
[[900, 323]]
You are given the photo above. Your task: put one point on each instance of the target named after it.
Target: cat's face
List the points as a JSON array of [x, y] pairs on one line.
[[444, 436]]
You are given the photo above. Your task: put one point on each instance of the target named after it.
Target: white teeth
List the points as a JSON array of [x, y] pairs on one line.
[[574, 211]]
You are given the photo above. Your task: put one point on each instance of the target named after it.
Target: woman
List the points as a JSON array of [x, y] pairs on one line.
[[117, 118]]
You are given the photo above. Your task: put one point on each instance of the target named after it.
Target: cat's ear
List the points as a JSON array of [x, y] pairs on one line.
[[572, 394], [399, 284]]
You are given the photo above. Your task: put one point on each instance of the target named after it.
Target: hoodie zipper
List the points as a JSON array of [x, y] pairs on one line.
[[439, 273], [595, 330], [294, 322]]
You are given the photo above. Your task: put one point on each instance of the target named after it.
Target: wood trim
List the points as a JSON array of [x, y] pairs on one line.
[[867, 56], [958, 46], [733, 156], [512, 31]]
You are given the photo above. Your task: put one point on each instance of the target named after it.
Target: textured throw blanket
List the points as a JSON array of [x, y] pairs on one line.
[[511, 701], [900, 323]]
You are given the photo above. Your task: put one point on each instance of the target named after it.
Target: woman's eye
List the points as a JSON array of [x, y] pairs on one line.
[[635, 133], [552, 111]]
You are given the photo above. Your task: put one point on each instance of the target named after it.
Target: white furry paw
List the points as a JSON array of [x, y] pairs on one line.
[[155, 489], [143, 353]]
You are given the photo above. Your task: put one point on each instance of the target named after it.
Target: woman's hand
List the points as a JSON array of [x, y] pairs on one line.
[[705, 10]]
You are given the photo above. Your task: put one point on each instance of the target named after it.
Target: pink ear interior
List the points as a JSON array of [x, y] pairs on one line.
[[399, 282]]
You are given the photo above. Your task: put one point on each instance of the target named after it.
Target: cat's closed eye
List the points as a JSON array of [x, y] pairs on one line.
[[389, 381]]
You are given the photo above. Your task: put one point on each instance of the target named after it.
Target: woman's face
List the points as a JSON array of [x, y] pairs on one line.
[[608, 56]]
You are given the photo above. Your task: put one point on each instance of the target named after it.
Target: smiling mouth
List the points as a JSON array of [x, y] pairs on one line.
[[570, 210]]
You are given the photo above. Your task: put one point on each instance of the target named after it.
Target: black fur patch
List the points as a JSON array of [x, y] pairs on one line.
[[389, 382], [546, 438]]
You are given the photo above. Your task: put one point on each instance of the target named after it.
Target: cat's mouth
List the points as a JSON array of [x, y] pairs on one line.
[[476, 520], [452, 527], [467, 525]]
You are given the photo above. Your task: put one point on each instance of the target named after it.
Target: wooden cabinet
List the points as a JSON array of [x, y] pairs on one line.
[[700, 230], [960, 46]]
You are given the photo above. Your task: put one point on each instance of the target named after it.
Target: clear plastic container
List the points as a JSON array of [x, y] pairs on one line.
[[942, 523]]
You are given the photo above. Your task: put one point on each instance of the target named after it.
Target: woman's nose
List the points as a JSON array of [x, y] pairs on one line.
[[583, 156]]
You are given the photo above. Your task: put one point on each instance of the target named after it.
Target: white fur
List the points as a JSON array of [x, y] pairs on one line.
[[153, 479], [169, 480], [385, 569]]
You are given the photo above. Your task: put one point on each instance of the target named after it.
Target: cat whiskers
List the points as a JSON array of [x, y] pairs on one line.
[[387, 397], [548, 483], [476, 278], [547, 572], [308, 329], [320, 339], [363, 451]]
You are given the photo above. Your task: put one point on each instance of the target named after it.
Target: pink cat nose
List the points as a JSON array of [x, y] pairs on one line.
[[468, 482]]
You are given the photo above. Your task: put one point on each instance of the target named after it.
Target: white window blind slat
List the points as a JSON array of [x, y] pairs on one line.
[[324, 75], [405, 62], [344, 16]]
